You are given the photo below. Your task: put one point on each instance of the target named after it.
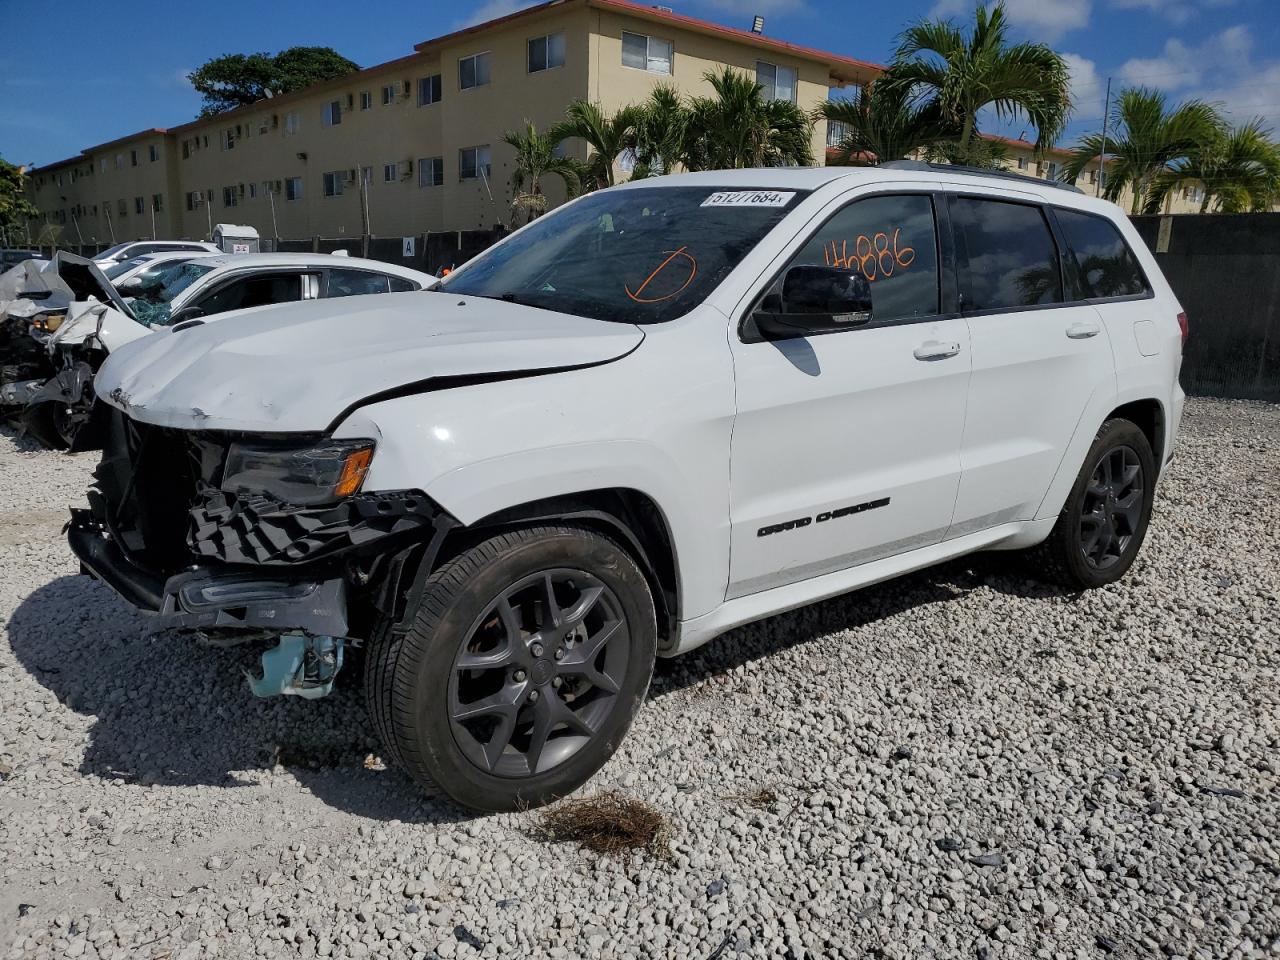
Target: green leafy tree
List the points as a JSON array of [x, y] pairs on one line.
[[536, 159], [1144, 137], [659, 133], [981, 152], [1238, 169], [607, 137], [238, 79], [882, 123], [15, 208], [739, 128], [962, 74]]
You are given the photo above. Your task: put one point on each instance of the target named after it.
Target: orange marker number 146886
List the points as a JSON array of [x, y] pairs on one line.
[[876, 256]]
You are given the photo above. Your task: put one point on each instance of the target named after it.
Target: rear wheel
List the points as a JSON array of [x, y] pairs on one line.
[[529, 657], [1104, 521]]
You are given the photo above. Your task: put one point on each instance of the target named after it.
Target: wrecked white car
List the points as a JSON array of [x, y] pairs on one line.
[[32, 298], [100, 321]]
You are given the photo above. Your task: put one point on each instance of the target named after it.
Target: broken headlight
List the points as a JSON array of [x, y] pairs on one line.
[[48, 322], [303, 474]]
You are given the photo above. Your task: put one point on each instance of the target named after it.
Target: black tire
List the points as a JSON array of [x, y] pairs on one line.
[[419, 696], [1072, 556], [50, 424]]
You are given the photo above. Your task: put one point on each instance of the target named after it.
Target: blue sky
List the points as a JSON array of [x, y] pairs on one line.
[[92, 72]]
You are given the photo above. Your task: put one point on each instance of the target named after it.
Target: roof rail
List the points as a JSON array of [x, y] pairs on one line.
[[977, 172]]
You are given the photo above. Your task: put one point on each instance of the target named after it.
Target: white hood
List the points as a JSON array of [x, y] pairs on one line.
[[297, 367]]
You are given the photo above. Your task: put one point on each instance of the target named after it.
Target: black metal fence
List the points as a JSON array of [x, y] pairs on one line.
[[430, 252], [1225, 270]]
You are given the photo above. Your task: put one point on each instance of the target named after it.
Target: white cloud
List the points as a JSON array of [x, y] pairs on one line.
[[1085, 85], [1221, 69], [1179, 11], [180, 77], [1046, 20], [492, 10]]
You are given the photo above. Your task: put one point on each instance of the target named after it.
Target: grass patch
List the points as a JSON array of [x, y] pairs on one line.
[[609, 824], [762, 798]]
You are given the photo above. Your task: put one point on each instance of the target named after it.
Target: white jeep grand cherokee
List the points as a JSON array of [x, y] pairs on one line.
[[663, 410]]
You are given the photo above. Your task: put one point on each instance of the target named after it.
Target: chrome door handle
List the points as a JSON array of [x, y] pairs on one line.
[[936, 350], [1083, 331]]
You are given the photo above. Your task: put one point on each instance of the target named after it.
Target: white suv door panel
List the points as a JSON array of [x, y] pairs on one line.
[[846, 446], [1038, 368]]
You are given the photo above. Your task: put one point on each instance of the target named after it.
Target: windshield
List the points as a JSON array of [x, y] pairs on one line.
[[644, 255], [112, 251], [124, 266], [152, 306]]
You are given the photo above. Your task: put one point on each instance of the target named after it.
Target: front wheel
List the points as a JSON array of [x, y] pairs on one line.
[[529, 657], [1104, 521]]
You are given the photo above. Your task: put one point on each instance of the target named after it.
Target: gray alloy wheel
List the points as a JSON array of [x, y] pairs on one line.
[[539, 673], [529, 656], [1104, 520], [1113, 506]]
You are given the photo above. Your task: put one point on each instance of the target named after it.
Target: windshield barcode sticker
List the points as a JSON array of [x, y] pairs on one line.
[[749, 198]]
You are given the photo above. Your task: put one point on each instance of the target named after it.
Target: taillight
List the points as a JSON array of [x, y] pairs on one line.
[[1182, 325]]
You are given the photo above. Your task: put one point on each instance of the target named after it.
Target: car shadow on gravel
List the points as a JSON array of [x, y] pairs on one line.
[[764, 638], [169, 711]]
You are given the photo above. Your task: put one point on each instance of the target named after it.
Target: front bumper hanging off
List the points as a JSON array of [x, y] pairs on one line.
[[214, 597]]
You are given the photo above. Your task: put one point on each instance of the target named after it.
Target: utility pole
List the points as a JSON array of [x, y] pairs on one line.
[[208, 215], [1102, 157], [275, 230], [153, 221], [110, 226]]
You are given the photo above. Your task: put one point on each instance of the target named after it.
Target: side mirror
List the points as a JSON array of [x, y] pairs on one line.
[[186, 313], [130, 288], [815, 300]]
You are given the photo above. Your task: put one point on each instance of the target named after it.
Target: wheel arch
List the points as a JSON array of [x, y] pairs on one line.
[[627, 515], [1148, 416]]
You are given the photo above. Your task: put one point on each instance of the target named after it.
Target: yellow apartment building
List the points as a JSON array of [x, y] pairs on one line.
[[415, 144]]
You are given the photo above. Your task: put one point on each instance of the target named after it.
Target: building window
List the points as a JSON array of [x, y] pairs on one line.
[[230, 197], [366, 99], [1051, 170], [157, 202], [103, 164], [333, 183], [1022, 163], [228, 139], [431, 171], [253, 191], [388, 94], [333, 113], [429, 90], [122, 207], [546, 52], [293, 188], [139, 204], [390, 172], [193, 199], [473, 71], [646, 53], [154, 152], [186, 149], [779, 83], [119, 161], [133, 158], [292, 123], [473, 162]]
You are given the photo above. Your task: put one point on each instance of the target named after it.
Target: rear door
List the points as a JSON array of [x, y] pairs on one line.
[[846, 445], [1041, 358]]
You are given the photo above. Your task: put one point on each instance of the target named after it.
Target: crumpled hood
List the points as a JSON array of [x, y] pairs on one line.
[[297, 367]]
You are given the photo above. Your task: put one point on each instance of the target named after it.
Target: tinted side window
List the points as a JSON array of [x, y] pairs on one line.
[[1011, 258], [1106, 267], [892, 242], [401, 285], [253, 292], [354, 283]]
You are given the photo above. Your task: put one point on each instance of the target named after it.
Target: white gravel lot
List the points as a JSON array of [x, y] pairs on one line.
[[966, 763]]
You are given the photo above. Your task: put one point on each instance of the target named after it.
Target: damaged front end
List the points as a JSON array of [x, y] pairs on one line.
[[239, 538]]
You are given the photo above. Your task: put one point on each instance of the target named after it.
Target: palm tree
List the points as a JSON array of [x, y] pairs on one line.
[[606, 136], [1143, 138], [882, 123], [962, 75], [660, 133], [536, 158], [739, 128], [1239, 170]]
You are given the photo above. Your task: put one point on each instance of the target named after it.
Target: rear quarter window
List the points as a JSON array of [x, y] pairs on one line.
[[1105, 265]]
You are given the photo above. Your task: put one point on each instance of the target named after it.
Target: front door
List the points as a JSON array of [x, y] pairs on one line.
[[846, 446]]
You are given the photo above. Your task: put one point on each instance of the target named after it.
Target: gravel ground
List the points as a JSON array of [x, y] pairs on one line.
[[965, 763]]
